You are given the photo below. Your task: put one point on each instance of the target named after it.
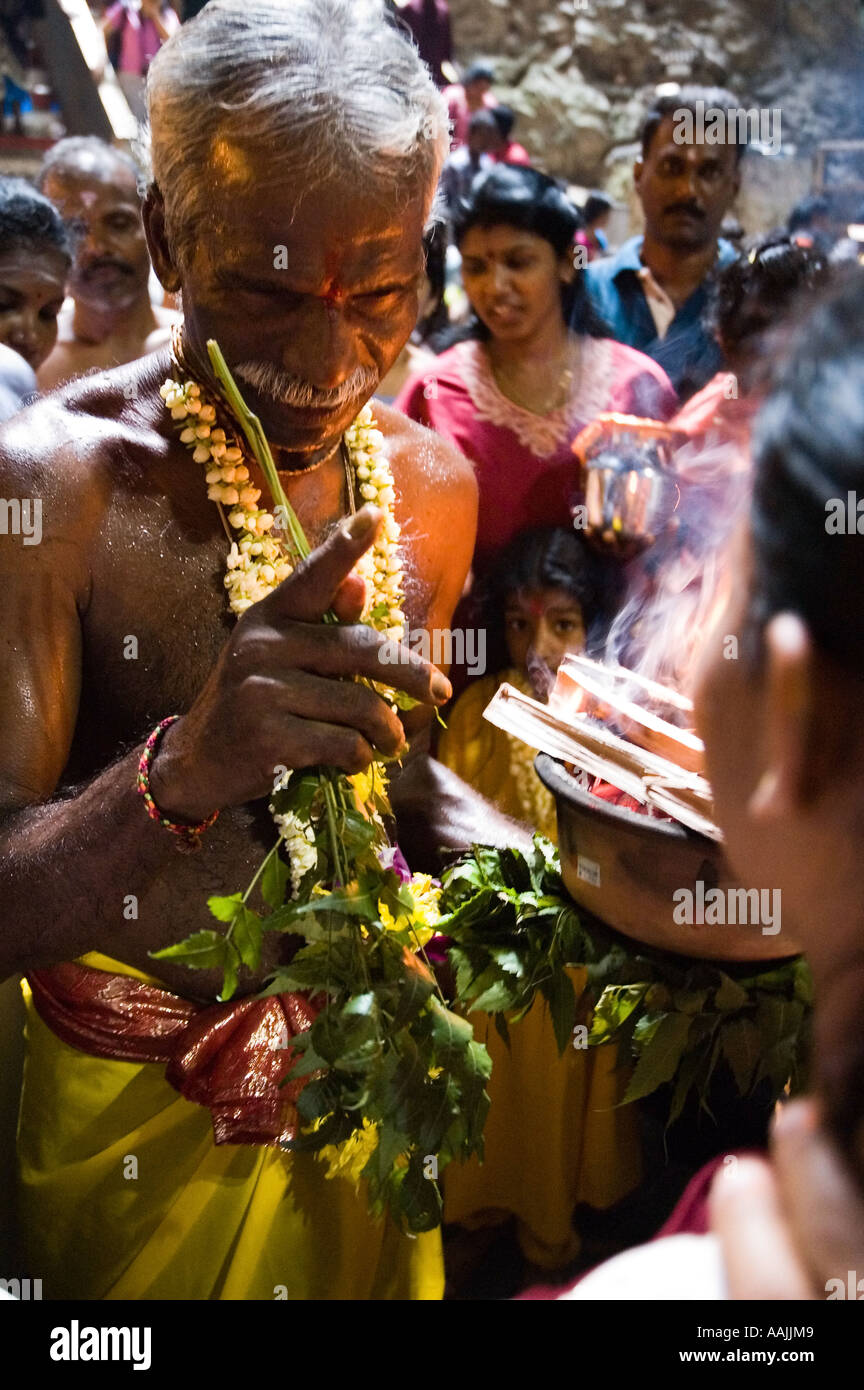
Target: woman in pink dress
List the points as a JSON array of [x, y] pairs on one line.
[[513, 395]]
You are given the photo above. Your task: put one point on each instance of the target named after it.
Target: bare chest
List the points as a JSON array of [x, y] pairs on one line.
[[158, 613]]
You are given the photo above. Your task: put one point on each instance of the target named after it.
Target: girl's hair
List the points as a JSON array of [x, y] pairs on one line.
[[29, 220], [437, 318], [518, 196], [550, 557], [768, 275], [808, 451]]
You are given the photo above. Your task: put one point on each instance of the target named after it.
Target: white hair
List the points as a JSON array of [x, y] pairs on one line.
[[289, 389], [331, 88]]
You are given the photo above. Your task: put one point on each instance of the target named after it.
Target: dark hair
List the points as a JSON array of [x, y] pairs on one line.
[[65, 154], [435, 253], [482, 120], [731, 229], [505, 119], [686, 99], [549, 557], [803, 213], [769, 274], [808, 449], [28, 219], [522, 197], [595, 205], [479, 72]]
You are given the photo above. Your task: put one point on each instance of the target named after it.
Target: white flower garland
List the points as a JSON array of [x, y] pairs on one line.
[[258, 560]]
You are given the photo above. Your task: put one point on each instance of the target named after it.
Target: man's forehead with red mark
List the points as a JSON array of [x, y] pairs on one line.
[[334, 290]]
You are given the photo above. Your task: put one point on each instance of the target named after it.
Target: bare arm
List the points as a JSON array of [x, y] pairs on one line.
[[57, 897]]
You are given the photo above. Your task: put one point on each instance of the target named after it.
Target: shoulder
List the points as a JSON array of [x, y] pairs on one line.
[[442, 375], [436, 509], [602, 270], [73, 445], [629, 361], [424, 463], [639, 385]]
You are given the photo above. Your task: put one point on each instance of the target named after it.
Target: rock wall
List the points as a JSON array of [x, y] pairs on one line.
[[579, 72]]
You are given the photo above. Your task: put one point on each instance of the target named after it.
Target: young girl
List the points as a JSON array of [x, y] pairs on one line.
[[554, 1137], [542, 599]]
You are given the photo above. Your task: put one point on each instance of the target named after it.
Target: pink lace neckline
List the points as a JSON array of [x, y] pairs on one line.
[[541, 434]]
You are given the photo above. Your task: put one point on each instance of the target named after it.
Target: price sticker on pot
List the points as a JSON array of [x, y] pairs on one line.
[[588, 870]]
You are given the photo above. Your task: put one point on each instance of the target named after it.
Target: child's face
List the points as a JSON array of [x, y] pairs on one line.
[[541, 626]]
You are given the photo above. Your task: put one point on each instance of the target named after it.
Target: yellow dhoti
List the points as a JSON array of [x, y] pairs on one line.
[[124, 1195]]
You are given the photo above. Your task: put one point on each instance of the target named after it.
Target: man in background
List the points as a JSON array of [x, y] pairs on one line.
[[652, 293], [134, 31], [507, 150], [472, 94], [428, 23], [111, 319], [464, 164]]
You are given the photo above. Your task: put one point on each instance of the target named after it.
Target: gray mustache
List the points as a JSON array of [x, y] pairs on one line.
[[290, 390]]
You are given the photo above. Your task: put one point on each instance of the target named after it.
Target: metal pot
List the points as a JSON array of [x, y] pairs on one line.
[[630, 491], [625, 867]]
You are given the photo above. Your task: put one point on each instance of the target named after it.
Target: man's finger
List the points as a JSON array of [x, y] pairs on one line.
[[823, 1204], [338, 651], [758, 1253], [346, 703], [308, 593], [350, 599]]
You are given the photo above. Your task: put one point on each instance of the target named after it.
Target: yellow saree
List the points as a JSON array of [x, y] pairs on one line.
[[553, 1138]]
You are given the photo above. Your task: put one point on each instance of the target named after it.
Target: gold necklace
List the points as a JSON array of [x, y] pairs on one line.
[[561, 392]]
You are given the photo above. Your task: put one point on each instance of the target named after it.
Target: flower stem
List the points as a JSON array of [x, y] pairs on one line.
[[257, 440]]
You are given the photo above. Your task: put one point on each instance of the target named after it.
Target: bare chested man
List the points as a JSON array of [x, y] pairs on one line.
[[321, 156], [110, 319]]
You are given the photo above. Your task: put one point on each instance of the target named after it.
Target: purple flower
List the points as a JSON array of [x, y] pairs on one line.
[[393, 858]]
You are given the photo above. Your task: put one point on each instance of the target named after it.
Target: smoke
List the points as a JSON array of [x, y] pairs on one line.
[[677, 588]]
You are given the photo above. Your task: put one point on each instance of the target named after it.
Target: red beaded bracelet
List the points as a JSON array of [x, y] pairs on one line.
[[189, 835]]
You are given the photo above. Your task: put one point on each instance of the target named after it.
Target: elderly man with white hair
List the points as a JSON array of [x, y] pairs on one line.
[[295, 154]]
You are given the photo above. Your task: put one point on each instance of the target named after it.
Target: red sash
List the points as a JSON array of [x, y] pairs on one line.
[[229, 1057]]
